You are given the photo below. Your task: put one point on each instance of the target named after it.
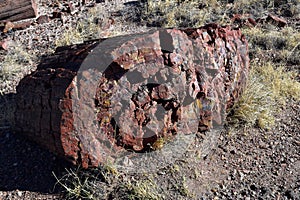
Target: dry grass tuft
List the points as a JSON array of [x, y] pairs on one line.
[[15, 57], [286, 42], [106, 182], [85, 29], [75, 186], [141, 189], [195, 13], [91, 184], [267, 90], [16, 62], [174, 13]]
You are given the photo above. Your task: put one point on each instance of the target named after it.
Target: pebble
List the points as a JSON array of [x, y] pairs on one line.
[[19, 193]]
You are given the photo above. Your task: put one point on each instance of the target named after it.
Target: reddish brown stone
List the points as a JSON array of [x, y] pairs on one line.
[[243, 20], [5, 44], [90, 101], [43, 19], [252, 21], [8, 27], [280, 22], [14, 10], [22, 24], [56, 14]]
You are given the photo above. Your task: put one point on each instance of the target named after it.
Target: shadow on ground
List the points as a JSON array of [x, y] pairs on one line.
[[23, 164]]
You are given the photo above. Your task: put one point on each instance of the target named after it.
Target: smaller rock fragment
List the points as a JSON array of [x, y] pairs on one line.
[[5, 44], [280, 22], [43, 19], [8, 26]]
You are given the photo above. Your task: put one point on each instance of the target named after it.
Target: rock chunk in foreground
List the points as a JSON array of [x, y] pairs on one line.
[[90, 101], [14, 10]]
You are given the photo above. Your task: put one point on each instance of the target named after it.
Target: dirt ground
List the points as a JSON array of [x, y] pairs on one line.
[[244, 163]]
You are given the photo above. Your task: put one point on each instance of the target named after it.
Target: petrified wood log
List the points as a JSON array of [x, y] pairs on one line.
[[14, 10], [90, 101]]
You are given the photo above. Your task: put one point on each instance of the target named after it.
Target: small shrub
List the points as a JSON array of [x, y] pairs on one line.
[[84, 30], [91, 184], [174, 13], [15, 64], [142, 189], [15, 57], [268, 89], [76, 186], [87, 28], [195, 13], [286, 38], [184, 189], [286, 42]]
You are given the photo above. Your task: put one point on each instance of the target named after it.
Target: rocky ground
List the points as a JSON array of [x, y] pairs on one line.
[[244, 163]]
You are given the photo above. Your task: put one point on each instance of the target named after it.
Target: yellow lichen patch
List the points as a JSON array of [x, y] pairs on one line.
[[158, 144]]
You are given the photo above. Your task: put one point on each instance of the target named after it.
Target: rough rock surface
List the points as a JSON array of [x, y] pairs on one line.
[[17, 9], [90, 101]]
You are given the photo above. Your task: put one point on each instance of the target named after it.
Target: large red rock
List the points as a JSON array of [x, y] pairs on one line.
[[90, 101]]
